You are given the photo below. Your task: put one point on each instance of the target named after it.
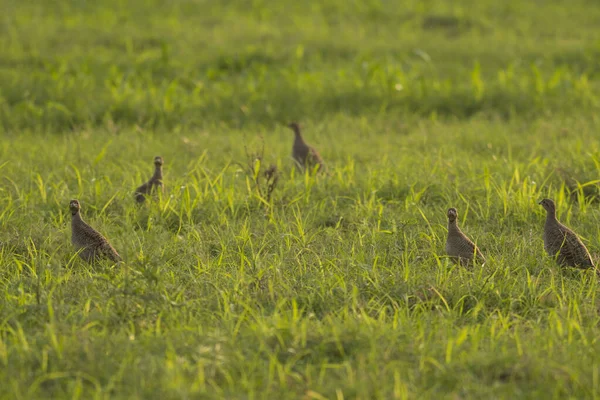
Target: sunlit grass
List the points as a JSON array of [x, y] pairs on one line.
[[338, 284]]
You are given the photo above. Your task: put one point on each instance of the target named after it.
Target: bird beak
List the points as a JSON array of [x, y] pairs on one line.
[[540, 202]]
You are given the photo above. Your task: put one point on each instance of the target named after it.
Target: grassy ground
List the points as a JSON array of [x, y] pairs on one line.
[[337, 287]]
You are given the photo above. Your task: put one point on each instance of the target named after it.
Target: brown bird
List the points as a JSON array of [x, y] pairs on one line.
[[154, 183], [93, 245], [563, 243], [305, 156], [458, 246]]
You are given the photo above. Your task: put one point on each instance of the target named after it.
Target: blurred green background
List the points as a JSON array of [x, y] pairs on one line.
[[67, 64]]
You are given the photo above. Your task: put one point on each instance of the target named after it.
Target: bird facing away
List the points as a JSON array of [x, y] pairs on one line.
[[304, 155], [458, 246], [563, 243], [154, 183], [93, 245]]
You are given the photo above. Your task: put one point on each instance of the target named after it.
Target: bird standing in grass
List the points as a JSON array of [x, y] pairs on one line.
[[458, 246], [154, 182], [93, 245], [563, 243], [305, 156]]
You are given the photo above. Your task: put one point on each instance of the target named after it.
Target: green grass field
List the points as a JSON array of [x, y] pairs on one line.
[[337, 287]]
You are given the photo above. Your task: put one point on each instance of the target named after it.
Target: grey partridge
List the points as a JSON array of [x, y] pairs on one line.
[[154, 183], [92, 244], [458, 246], [563, 243], [305, 156]]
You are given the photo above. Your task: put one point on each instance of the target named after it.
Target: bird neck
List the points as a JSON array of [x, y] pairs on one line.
[[298, 139], [550, 216], [75, 218], [452, 227], [157, 173]]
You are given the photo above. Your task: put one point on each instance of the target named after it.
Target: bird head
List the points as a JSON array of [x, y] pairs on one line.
[[452, 214], [294, 126], [74, 206], [158, 161], [548, 205]]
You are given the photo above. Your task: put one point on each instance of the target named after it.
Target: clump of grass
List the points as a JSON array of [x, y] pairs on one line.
[[263, 179]]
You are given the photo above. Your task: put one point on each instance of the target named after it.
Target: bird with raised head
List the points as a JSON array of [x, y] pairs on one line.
[[155, 182], [304, 155], [458, 246], [92, 245], [561, 242]]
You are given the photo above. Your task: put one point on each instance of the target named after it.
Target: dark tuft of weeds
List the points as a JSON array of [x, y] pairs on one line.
[[263, 180]]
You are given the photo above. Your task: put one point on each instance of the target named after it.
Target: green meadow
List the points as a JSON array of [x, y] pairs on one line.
[[329, 286]]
